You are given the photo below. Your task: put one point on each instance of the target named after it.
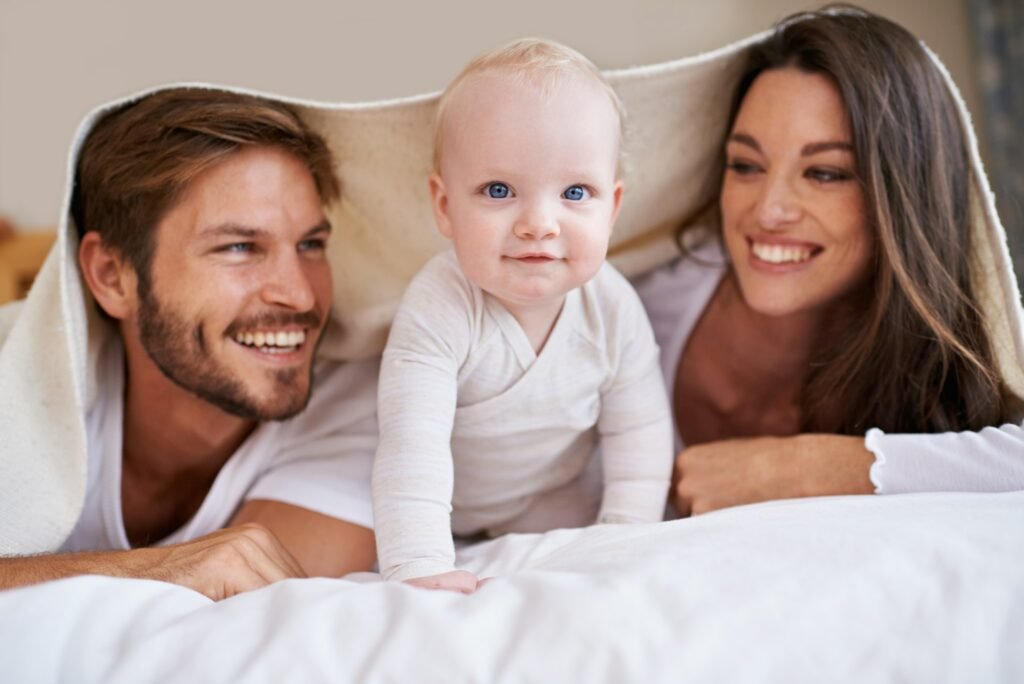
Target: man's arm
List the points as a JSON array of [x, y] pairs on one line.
[[218, 565], [323, 546]]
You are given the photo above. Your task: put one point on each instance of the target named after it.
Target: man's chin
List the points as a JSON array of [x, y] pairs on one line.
[[253, 409]]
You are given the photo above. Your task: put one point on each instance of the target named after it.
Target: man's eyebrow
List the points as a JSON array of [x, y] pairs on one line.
[[322, 227], [815, 148], [744, 139], [244, 231], [232, 230]]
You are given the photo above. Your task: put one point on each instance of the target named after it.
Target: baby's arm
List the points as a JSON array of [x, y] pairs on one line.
[[635, 423], [413, 473]]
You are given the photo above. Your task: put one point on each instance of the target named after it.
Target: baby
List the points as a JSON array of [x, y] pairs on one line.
[[515, 355]]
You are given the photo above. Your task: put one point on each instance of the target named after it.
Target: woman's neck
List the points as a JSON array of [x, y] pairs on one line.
[[742, 373]]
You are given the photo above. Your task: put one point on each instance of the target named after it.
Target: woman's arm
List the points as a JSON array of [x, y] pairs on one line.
[[741, 471], [990, 460]]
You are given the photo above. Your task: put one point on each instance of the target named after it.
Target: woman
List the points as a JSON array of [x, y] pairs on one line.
[[846, 311]]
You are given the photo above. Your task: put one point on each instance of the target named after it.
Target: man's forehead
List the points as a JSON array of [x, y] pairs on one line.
[[249, 190]]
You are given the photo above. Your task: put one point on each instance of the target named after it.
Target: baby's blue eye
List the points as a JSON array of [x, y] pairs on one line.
[[575, 193], [497, 190]]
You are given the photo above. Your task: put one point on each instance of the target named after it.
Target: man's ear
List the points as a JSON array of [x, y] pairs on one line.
[[439, 202], [112, 281]]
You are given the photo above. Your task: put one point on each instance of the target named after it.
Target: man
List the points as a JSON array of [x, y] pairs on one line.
[[203, 233]]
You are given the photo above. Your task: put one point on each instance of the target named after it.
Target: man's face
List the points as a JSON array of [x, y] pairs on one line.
[[239, 288]]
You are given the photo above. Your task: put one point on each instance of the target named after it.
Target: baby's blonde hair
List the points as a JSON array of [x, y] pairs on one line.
[[536, 60]]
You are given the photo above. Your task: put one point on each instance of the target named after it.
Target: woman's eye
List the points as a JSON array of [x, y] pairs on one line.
[[497, 190], [828, 175], [743, 168], [576, 193]]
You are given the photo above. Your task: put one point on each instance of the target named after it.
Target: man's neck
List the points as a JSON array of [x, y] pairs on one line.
[[169, 432]]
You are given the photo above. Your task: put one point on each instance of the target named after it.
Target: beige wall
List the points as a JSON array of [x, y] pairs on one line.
[[57, 63]]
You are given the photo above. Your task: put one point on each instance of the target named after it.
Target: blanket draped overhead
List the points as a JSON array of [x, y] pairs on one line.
[[383, 233]]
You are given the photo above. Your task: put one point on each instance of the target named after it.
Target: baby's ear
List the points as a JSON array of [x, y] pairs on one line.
[[439, 203], [617, 199]]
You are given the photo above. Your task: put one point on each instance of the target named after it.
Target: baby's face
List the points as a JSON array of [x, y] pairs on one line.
[[527, 189]]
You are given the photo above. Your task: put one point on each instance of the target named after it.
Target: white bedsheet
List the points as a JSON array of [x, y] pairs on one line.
[[917, 588]]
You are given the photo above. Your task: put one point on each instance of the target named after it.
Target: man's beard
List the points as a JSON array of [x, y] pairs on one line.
[[180, 351]]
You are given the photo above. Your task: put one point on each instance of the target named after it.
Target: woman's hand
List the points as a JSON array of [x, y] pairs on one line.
[[741, 471]]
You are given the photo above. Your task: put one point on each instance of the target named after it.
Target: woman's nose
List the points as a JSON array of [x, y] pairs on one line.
[[778, 206]]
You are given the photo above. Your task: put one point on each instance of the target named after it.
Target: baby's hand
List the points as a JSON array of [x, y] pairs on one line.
[[456, 580]]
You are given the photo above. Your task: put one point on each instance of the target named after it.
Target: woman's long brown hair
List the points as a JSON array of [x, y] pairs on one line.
[[914, 357]]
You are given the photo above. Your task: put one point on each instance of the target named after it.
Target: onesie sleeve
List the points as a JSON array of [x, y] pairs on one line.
[[635, 422], [990, 460], [413, 471]]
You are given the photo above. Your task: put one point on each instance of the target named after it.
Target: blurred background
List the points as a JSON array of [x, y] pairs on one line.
[[59, 60]]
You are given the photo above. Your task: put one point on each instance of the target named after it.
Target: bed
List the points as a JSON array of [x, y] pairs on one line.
[[920, 588]]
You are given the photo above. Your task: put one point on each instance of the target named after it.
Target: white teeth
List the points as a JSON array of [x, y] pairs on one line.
[[781, 254], [272, 341]]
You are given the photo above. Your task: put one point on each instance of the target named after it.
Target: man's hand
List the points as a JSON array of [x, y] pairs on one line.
[[219, 565], [456, 580], [741, 471]]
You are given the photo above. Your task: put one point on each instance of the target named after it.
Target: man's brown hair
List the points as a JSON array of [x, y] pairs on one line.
[[138, 160]]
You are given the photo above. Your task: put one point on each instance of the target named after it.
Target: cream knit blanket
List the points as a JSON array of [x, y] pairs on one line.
[[383, 233]]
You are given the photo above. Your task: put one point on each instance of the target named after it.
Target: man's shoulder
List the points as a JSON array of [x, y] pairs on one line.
[[344, 395], [333, 380]]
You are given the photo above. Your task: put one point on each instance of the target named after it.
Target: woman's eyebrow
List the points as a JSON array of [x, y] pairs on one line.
[[745, 139], [815, 148]]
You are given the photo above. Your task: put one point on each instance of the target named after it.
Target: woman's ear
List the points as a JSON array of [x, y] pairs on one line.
[[439, 202], [112, 281]]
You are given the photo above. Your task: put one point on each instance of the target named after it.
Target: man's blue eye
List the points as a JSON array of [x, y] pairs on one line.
[[575, 193], [497, 190], [312, 244]]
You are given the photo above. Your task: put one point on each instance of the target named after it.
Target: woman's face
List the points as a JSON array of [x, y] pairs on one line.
[[792, 207]]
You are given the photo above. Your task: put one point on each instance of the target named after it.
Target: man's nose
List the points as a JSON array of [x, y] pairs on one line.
[[287, 284], [778, 206]]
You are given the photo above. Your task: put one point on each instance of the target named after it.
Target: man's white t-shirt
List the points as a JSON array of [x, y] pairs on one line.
[[321, 459]]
